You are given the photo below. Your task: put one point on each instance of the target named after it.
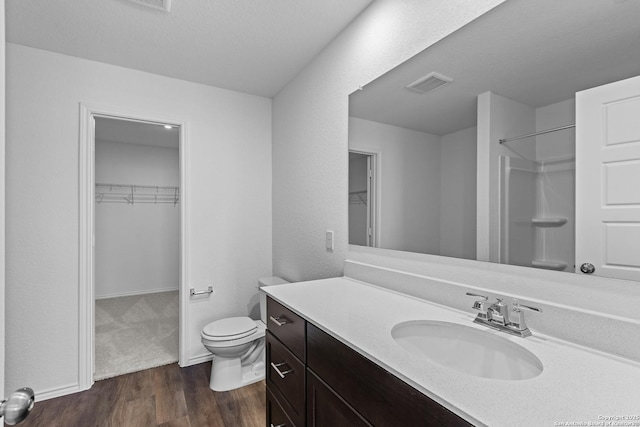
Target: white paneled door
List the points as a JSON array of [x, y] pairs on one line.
[[608, 180]]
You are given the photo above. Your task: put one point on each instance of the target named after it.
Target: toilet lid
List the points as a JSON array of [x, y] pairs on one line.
[[231, 328]]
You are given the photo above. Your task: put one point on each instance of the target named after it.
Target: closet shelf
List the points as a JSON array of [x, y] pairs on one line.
[[549, 264], [549, 222], [132, 194], [358, 198]]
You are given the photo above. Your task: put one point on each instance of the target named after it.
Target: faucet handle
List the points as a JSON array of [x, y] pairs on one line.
[[517, 307], [479, 304], [520, 325]]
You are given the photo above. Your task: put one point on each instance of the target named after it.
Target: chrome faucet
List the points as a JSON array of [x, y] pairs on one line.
[[498, 312], [496, 315]]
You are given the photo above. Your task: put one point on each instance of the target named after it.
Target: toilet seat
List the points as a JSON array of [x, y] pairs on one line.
[[232, 328]]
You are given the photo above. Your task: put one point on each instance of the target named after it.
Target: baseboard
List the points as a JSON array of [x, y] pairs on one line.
[[195, 360], [75, 388], [57, 392], [128, 294]]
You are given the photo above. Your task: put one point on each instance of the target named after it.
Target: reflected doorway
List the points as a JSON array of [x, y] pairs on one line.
[[362, 199]]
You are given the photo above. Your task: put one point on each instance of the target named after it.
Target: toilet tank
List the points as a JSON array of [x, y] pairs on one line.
[[267, 281]]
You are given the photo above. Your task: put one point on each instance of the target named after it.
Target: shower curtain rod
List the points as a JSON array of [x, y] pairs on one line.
[[502, 141]]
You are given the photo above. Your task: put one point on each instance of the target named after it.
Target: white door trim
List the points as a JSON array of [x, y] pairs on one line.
[[86, 294]]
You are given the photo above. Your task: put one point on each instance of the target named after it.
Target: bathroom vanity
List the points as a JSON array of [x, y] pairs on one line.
[[342, 387], [333, 360]]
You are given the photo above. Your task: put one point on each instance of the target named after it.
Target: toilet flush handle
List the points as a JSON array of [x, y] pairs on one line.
[[280, 320]]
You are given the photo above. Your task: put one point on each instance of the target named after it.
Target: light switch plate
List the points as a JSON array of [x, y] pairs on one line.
[[329, 240]]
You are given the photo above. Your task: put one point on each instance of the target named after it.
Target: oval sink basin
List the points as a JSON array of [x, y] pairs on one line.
[[467, 350]]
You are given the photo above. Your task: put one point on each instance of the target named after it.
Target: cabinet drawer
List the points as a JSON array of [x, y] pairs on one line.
[[286, 378], [287, 326], [276, 416], [380, 397]]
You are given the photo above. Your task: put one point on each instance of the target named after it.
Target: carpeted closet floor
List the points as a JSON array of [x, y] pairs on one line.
[[135, 333]]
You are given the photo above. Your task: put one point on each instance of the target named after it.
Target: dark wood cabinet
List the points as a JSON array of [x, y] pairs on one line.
[[287, 326], [381, 398], [276, 415], [286, 379], [285, 343], [327, 409], [328, 384]]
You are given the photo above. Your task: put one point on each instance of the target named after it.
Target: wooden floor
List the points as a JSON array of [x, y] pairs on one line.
[[167, 396]]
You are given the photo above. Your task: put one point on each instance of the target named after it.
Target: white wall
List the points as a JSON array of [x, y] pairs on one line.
[[409, 177], [458, 194], [138, 245], [428, 200], [228, 196], [310, 125], [561, 144]]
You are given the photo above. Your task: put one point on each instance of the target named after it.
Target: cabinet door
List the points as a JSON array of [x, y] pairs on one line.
[[327, 409], [379, 396]]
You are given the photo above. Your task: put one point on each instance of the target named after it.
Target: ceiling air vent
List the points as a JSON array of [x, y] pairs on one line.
[[428, 83], [155, 4]]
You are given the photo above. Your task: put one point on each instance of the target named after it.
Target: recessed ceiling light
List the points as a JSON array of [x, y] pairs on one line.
[[168, 127]]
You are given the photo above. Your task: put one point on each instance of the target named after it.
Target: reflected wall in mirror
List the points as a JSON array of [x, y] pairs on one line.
[[465, 166]]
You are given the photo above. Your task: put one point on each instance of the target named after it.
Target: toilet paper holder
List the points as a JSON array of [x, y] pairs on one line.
[[193, 292]]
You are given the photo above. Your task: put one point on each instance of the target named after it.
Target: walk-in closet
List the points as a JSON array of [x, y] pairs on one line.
[[137, 249]]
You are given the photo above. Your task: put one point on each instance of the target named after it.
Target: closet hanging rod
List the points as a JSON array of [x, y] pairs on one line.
[[542, 132]]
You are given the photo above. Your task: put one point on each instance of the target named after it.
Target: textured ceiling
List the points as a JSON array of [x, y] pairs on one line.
[[535, 52], [252, 46]]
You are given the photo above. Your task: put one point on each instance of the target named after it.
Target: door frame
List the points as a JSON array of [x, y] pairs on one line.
[[374, 185], [86, 290]]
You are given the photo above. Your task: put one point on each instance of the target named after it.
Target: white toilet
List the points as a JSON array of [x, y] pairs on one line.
[[237, 345]]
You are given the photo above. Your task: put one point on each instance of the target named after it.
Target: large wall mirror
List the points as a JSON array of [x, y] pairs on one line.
[[468, 149]]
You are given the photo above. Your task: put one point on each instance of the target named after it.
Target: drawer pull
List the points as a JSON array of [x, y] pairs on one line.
[[282, 374], [280, 320], [279, 425]]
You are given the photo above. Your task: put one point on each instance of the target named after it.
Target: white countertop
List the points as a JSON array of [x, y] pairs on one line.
[[577, 385]]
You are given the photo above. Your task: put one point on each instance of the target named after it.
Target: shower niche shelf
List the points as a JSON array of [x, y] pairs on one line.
[[549, 222], [549, 264]]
